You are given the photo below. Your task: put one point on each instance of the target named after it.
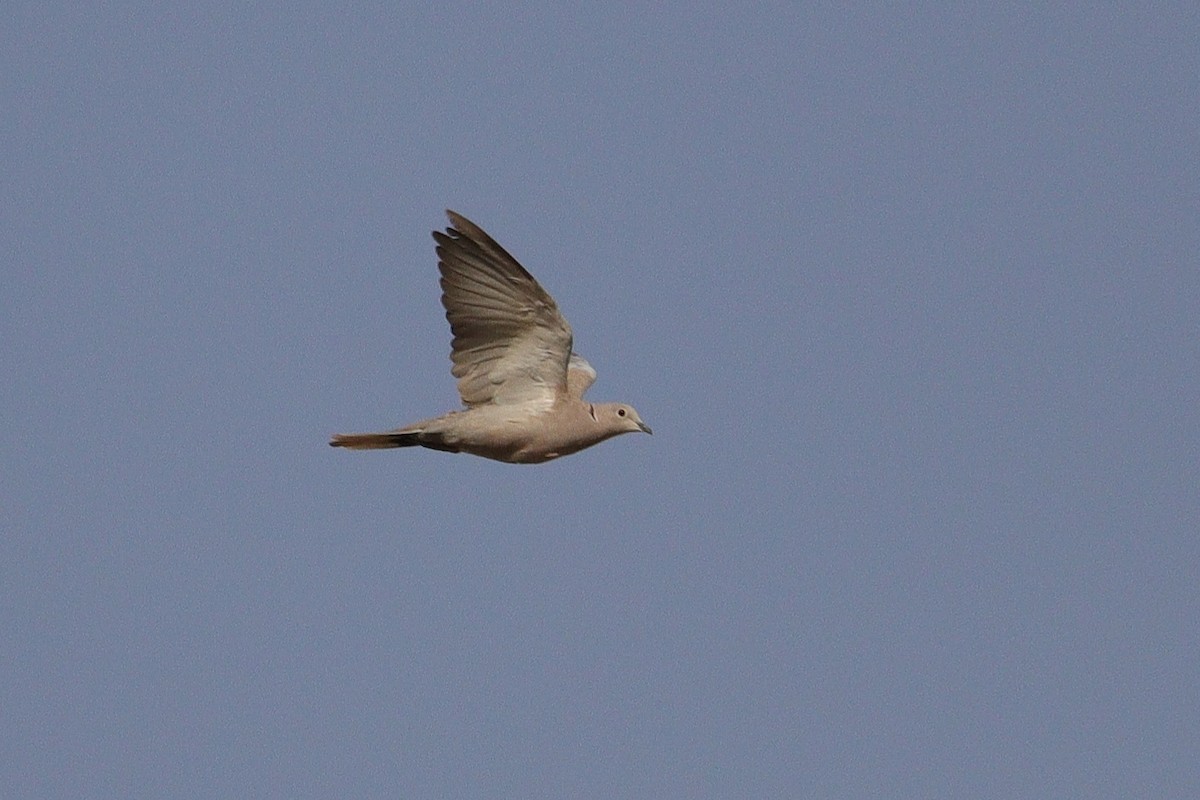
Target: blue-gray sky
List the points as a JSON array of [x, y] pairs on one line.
[[910, 295]]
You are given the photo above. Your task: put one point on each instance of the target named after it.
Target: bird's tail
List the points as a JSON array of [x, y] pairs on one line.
[[375, 441]]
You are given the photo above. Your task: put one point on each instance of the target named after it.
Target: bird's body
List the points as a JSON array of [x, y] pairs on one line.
[[520, 381], [503, 433]]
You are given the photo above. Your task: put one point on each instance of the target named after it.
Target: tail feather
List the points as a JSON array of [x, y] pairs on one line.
[[375, 441]]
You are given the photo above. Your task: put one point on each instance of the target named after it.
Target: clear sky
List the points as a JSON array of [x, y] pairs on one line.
[[909, 293]]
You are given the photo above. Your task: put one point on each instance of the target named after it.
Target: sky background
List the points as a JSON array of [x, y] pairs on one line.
[[910, 295]]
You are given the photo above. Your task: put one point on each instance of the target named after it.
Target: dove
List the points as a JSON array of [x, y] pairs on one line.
[[520, 381]]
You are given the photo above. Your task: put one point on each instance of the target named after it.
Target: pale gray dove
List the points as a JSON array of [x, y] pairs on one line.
[[520, 381]]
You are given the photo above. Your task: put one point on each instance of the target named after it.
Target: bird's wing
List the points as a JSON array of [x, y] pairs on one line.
[[580, 376], [511, 344]]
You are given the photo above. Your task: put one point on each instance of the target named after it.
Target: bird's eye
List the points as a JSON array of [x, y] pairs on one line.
[[620, 412]]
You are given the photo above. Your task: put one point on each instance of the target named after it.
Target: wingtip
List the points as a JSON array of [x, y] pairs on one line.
[[458, 226], [461, 227]]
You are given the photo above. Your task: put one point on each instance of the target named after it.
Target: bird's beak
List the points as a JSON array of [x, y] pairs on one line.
[[645, 428]]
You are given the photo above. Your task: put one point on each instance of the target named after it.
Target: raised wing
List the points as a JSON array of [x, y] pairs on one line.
[[511, 344]]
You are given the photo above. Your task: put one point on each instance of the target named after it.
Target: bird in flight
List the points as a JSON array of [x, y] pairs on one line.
[[518, 377]]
